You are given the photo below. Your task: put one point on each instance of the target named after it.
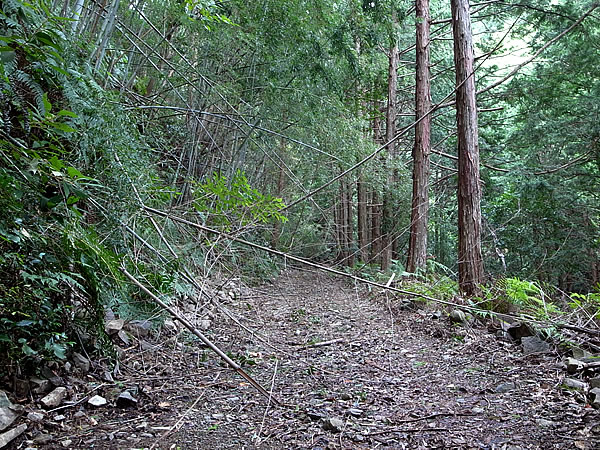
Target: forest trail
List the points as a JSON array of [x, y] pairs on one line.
[[388, 379]]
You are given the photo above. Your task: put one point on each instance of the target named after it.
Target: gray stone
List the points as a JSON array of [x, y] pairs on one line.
[[505, 387], [54, 398], [170, 324], [595, 382], [97, 401], [533, 344], [575, 384], [316, 414], [545, 423], [114, 326], [458, 316], [595, 397], [35, 416], [139, 328], [43, 439], [39, 386], [345, 396], [520, 330], [66, 443], [54, 379], [503, 335], [124, 337], [355, 412], [107, 376], [333, 424], [8, 411], [81, 362], [579, 353], [59, 418], [204, 324], [574, 365], [126, 400], [6, 438]]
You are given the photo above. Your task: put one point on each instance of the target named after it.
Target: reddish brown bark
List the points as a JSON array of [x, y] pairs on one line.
[[387, 232], [363, 228], [417, 247], [470, 263]]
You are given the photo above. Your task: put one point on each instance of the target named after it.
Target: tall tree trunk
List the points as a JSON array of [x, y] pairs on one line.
[[470, 263], [375, 227], [349, 225], [363, 228], [387, 232], [417, 247]]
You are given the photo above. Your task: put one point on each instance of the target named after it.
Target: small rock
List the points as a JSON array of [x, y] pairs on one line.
[[8, 411], [43, 439], [139, 328], [124, 338], [59, 418], [54, 379], [333, 424], [478, 410], [520, 330], [316, 415], [68, 367], [204, 324], [39, 386], [97, 401], [54, 398], [126, 400], [595, 382], [458, 316], [596, 397], [8, 436], [533, 344], [345, 396], [436, 315], [545, 423], [79, 415], [114, 326], [66, 443], [579, 353], [107, 376], [505, 387], [81, 362], [170, 324], [574, 365], [503, 335], [355, 412], [146, 346], [35, 416], [575, 384]]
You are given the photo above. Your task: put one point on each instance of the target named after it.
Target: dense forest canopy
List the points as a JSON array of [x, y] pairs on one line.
[[322, 130]]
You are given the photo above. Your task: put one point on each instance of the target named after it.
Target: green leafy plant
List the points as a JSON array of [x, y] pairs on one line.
[[225, 203]]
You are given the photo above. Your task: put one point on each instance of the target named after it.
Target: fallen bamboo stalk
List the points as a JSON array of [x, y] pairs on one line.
[[200, 336], [521, 318], [324, 343]]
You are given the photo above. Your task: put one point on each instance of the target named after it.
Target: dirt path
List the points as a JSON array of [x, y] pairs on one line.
[[388, 379]]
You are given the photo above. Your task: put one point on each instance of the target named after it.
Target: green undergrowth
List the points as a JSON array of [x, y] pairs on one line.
[[74, 170]]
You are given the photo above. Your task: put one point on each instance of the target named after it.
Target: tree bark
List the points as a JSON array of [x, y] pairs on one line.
[[387, 232], [417, 247], [363, 229], [470, 263]]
